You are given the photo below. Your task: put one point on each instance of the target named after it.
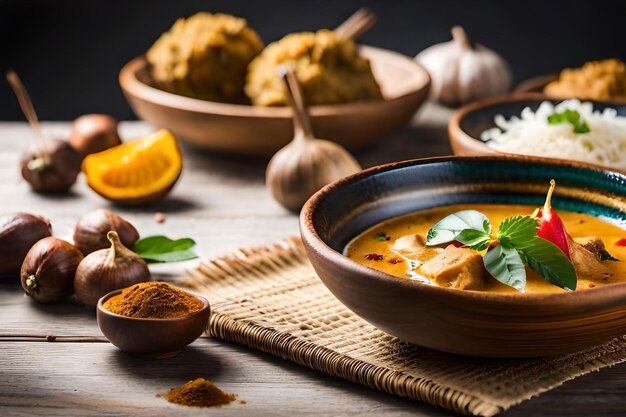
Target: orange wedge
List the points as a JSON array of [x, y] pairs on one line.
[[138, 171]]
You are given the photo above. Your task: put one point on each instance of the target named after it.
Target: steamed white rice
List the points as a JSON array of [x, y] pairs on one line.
[[531, 134]]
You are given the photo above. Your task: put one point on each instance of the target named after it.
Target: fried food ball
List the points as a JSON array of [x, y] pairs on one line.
[[596, 80], [205, 56], [329, 69]]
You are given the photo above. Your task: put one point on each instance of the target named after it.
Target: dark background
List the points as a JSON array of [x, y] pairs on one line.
[[69, 52]]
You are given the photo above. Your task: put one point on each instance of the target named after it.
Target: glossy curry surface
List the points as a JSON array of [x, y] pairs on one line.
[[375, 247]]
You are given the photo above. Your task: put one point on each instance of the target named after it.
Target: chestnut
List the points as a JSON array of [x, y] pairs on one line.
[[51, 169], [18, 233], [92, 133], [52, 166], [48, 270], [91, 231]]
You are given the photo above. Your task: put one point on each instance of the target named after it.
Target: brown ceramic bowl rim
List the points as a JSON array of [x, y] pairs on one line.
[[456, 133], [530, 85], [417, 82], [311, 238], [104, 298]]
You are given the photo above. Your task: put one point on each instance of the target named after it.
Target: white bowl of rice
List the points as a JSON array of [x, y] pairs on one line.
[[531, 124]]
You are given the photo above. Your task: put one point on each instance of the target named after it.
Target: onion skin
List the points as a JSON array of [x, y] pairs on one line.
[[18, 233], [48, 271], [52, 171], [106, 270], [90, 233], [92, 133]]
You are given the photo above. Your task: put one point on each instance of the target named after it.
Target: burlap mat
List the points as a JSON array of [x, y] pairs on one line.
[[269, 298]]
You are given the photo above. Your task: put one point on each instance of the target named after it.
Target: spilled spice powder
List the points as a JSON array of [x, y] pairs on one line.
[[155, 300], [199, 392]]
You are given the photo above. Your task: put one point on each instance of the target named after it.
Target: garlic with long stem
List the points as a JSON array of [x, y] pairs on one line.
[[52, 166], [462, 71], [306, 164], [108, 269]]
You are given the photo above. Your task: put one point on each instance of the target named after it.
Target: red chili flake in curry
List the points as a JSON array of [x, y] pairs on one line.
[[394, 261], [374, 257], [621, 242]]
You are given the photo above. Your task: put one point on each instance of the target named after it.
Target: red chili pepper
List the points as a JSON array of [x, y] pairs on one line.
[[621, 242], [551, 227]]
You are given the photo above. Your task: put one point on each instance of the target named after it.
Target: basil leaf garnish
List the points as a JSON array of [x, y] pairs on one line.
[[505, 265], [518, 230], [448, 228], [546, 259], [474, 239], [381, 237], [518, 245], [572, 117]]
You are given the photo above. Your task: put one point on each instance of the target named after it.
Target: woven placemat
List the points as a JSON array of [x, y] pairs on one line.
[[270, 299]]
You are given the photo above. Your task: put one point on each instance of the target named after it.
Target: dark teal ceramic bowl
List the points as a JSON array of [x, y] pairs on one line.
[[465, 322]]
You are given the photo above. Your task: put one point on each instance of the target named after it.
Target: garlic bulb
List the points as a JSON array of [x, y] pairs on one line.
[[462, 71], [306, 164], [108, 269]]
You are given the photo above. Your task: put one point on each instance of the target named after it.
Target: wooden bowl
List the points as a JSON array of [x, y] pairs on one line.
[[261, 131], [535, 84], [471, 120], [158, 338], [457, 321]]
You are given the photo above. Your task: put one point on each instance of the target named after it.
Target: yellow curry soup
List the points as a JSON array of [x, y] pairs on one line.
[[383, 247]]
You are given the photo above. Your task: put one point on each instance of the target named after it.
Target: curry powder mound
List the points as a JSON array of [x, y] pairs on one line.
[[156, 300], [198, 393]]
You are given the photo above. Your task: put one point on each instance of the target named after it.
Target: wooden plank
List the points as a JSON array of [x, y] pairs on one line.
[[222, 203], [116, 383]]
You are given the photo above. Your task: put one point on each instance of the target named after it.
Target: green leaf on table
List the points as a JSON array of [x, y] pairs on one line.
[[164, 249], [572, 117], [506, 265], [546, 259], [448, 228]]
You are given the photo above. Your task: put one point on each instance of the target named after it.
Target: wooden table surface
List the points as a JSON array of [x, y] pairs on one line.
[[222, 203]]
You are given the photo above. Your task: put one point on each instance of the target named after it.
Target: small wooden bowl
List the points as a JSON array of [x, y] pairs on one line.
[[471, 120], [465, 322], [261, 131], [157, 338], [535, 84]]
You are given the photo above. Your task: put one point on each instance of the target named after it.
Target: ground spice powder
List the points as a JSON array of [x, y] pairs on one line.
[[157, 300], [198, 393]]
